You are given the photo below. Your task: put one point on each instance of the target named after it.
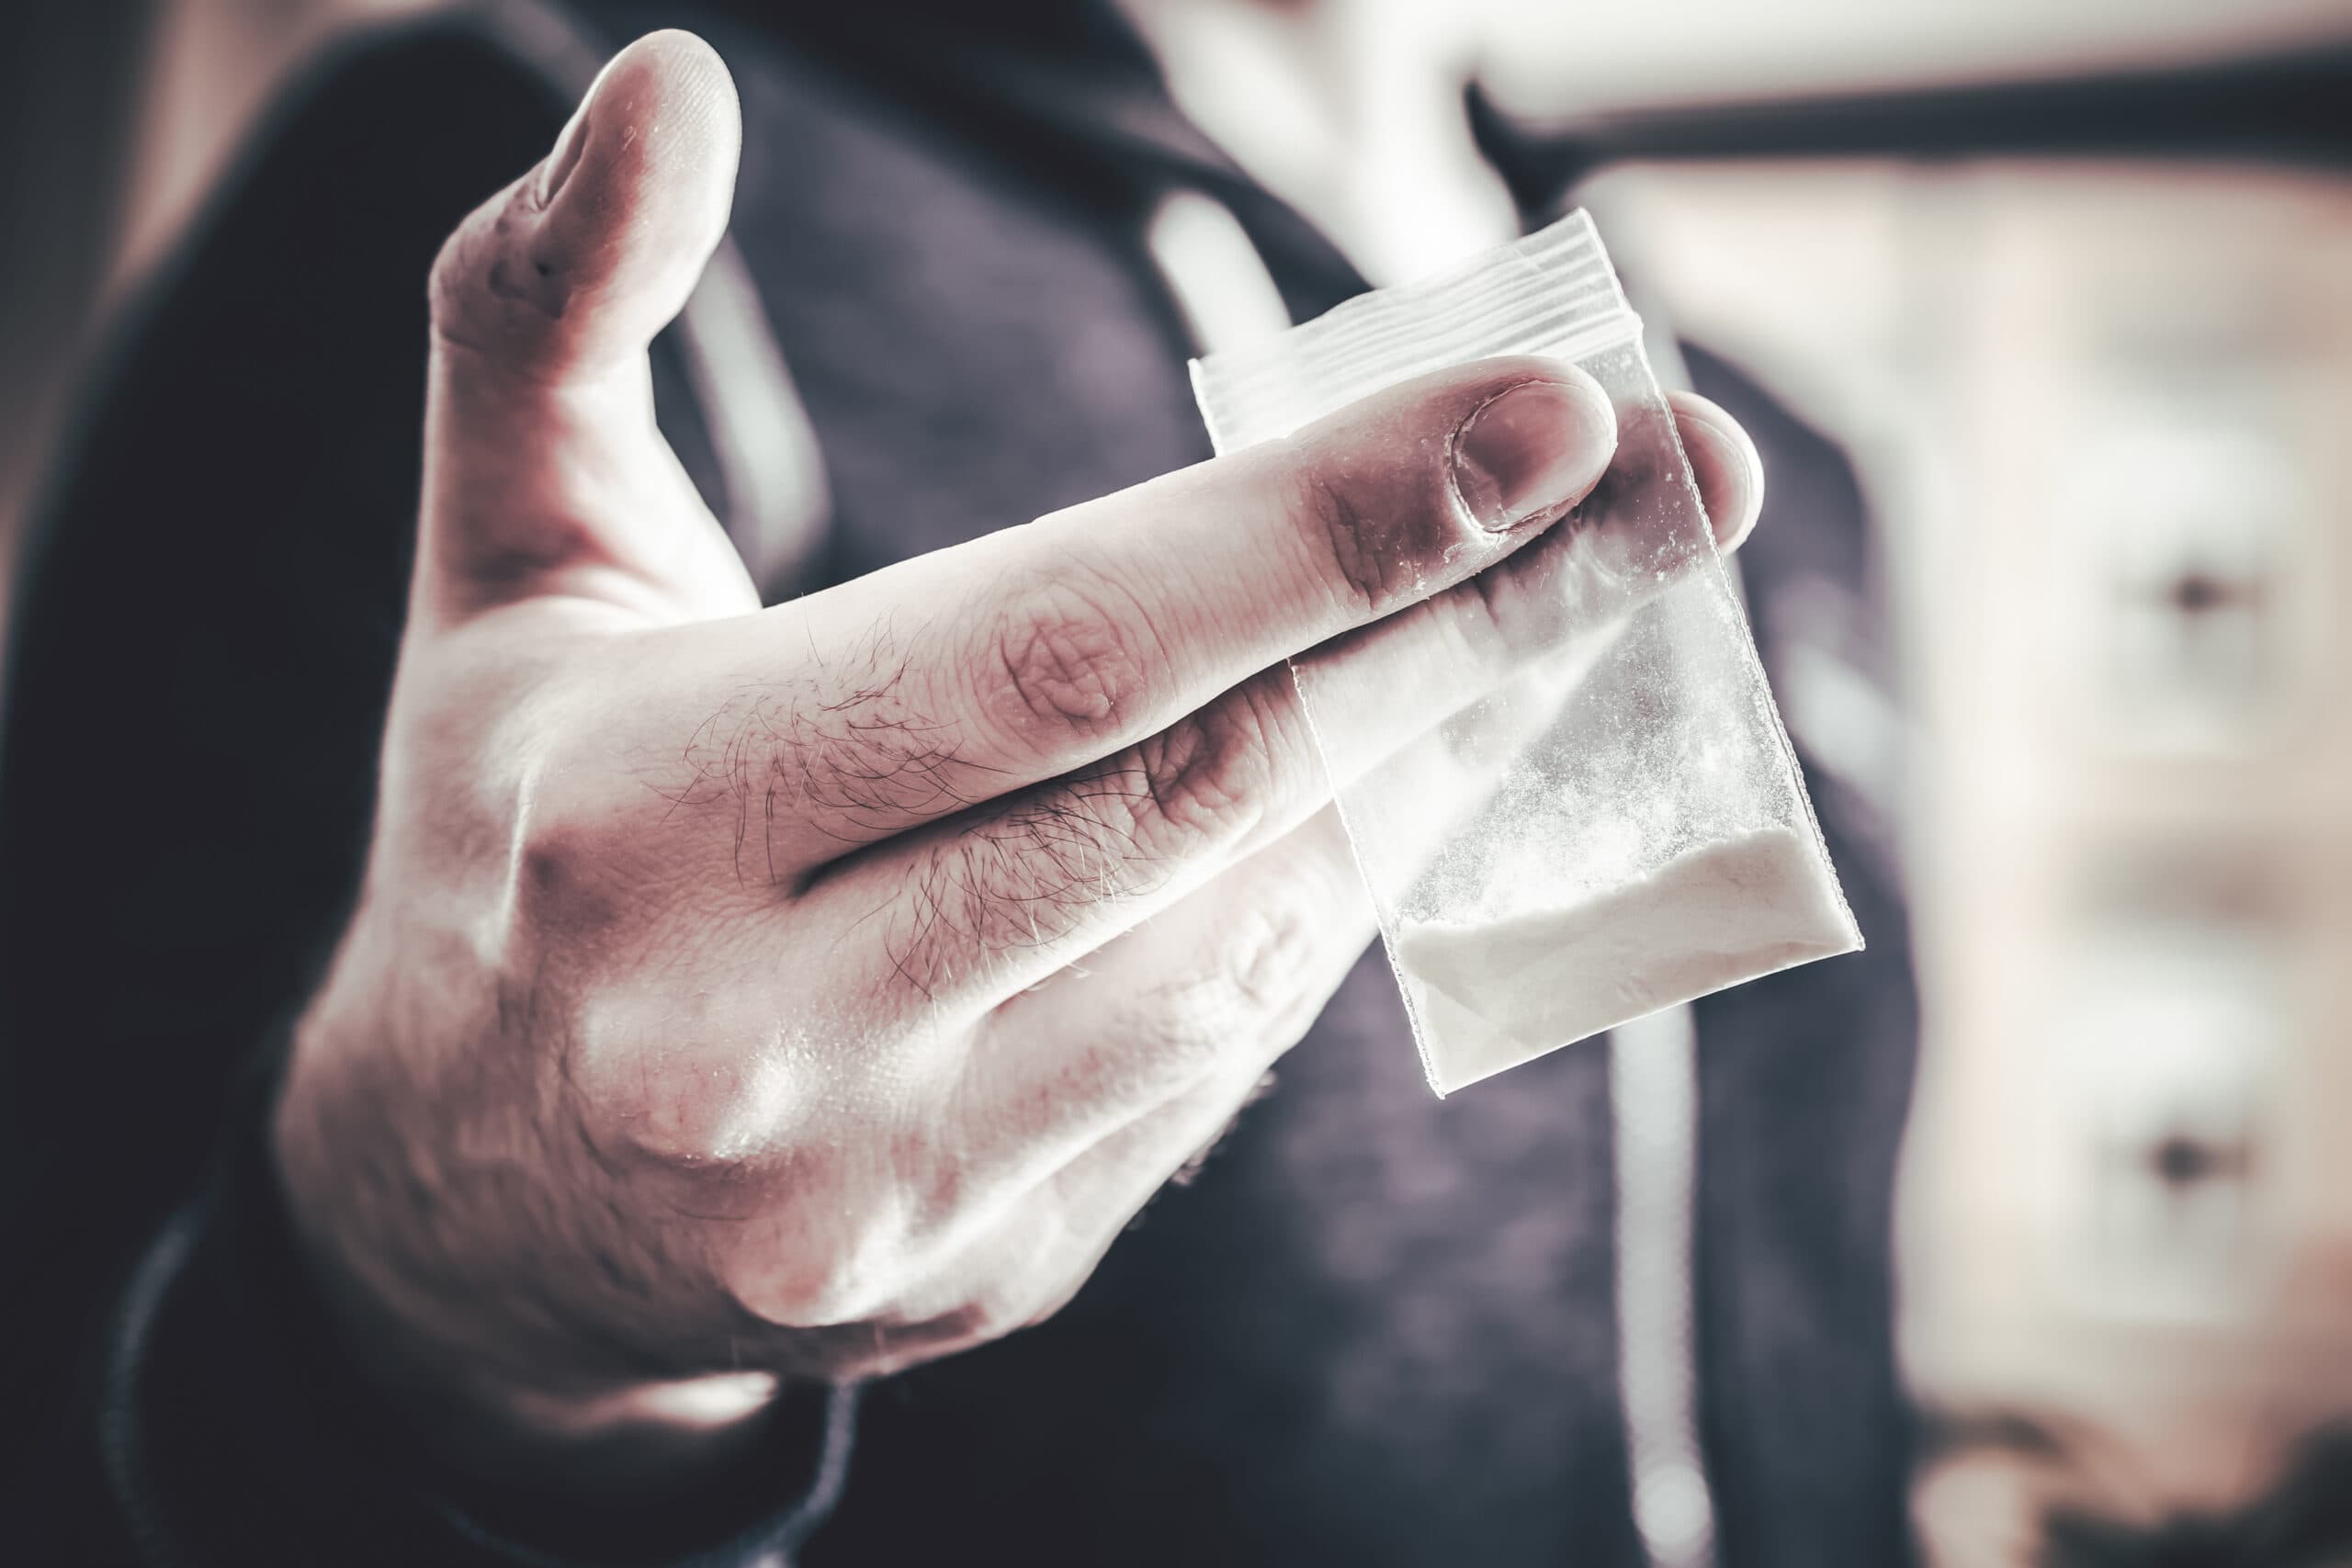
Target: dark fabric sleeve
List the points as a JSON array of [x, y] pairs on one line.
[[230, 1428], [204, 637]]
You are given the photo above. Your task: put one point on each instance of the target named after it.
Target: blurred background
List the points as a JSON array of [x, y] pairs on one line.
[[2072, 283]]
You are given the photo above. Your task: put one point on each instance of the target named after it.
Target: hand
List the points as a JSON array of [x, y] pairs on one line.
[[742, 993]]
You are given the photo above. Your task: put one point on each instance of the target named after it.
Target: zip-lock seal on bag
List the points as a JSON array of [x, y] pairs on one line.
[[1617, 823]]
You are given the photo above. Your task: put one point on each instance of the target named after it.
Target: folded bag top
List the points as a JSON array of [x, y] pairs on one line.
[[1610, 819]]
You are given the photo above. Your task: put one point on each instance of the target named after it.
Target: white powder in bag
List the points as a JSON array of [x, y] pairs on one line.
[[1494, 993]]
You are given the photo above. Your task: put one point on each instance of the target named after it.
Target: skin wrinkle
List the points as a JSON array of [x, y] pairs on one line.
[[1020, 882], [1117, 831], [866, 751], [1069, 670], [1069, 658], [409, 1208], [542, 295], [1179, 1032], [1368, 571], [1380, 561]]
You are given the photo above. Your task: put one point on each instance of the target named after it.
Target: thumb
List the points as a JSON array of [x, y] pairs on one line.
[[542, 459]]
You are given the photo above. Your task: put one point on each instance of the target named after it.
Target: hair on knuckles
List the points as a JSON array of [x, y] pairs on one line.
[[1065, 659], [860, 749], [1118, 829], [1015, 883]]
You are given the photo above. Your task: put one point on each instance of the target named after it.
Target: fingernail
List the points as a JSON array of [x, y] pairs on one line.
[[565, 156], [1530, 451], [1730, 473]]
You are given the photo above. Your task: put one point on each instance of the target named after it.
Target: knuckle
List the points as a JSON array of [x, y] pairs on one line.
[[1067, 659], [1118, 829], [1209, 775], [491, 289], [706, 1123], [582, 872], [564, 888], [1006, 886], [672, 1081], [680, 1107], [1146, 1053], [1021, 881], [1267, 966], [1354, 544], [1274, 945], [1256, 982], [826, 1249], [1192, 1030], [804, 1291]]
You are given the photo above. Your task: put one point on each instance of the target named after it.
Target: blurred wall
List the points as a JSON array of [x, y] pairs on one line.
[[2100, 409], [1550, 57]]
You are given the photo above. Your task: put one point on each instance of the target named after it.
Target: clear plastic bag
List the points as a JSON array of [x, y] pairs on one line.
[[1617, 824]]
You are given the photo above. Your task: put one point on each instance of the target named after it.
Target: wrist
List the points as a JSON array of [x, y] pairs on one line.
[[263, 1430], [501, 1395]]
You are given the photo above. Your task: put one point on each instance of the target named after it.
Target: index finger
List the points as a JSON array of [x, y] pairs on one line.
[[965, 674]]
